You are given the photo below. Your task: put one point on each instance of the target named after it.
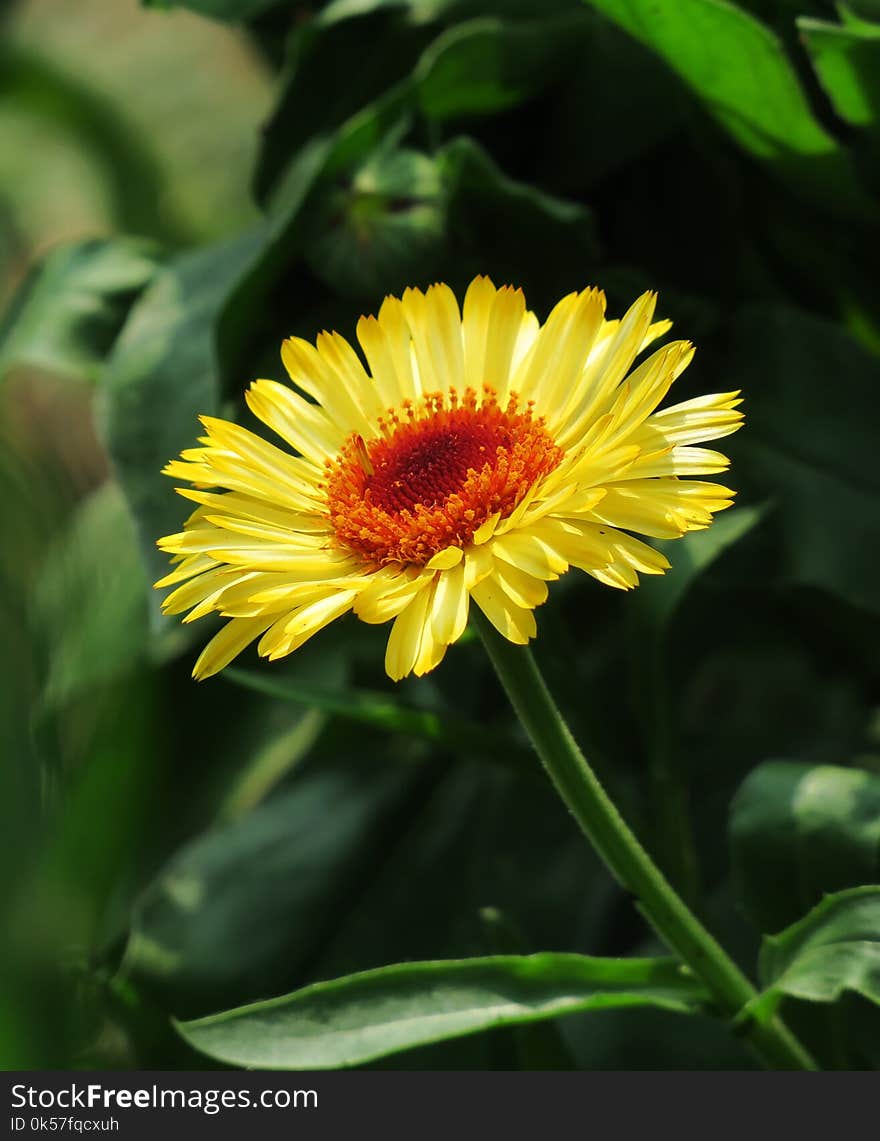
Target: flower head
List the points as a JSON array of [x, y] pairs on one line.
[[480, 457]]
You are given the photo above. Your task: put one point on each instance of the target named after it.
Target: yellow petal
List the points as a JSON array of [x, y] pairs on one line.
[[235, 636], [495, 328], [435, 324], [553, 369], [522, 589], [478, 562], [508, 325], [449, 612], [609, 362], [579, 543], [197, 589], [258, 510], [293, 630], [640, 556], [284, 595], [352, 393], [662, 508], [514, 622], [655, 331], [431, 649], [646, 387], [443, 560], [390, 389], [405, 639], [398, 345], [186, 568], [388, 593], [530, 553], [693, 421], [476, 312], [681, 460], [486, 530], [330, 372], [304, 426]]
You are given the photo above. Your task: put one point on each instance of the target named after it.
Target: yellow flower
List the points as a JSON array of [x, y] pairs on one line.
[[481, 456]]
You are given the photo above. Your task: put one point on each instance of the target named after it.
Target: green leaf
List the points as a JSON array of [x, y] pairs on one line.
[[363, 857], [182, 337], [163, 372], [816, 826], [67, 314], [833, 949], [384, 711], [825, 481], [739, 71], [383, 229], [376, 1013], [847, 61], [245, 907]]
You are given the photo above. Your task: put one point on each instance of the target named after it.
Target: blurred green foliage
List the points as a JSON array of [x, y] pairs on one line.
[[171, 849]]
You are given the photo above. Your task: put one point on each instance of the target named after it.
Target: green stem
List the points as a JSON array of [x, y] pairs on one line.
[[628, 861]]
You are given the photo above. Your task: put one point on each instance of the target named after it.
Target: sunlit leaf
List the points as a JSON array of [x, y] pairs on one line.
[[375, 1013], [847, 61], [740, 72]]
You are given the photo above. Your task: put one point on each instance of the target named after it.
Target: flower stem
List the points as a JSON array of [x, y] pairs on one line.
[[628, 861]]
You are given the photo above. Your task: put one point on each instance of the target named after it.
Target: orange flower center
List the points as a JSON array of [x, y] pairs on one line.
[[435, 476]]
